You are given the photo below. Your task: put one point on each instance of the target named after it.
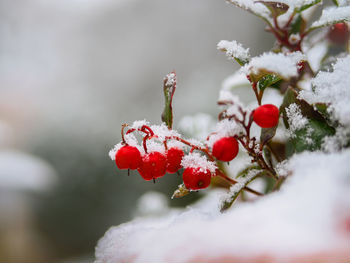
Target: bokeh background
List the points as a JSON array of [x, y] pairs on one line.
[[71, 72]]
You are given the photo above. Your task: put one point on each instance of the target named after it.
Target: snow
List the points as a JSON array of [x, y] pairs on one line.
[[233, 103], [152, 204], [285, 65], [234, 50], [316, 54], [332, 15], [241, 183], [252, 6], [333, 88], [301, 219], [296, 120], [224, 128], [130, 139], [163, 131], [138, 124], [197, 126], [196, 160], [293, 4], [171, 79]]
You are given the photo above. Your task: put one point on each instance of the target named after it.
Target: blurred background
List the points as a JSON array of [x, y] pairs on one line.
[[71, 72]]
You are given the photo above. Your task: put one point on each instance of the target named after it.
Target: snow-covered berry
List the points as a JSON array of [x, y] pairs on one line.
[[225, 149], [174, 156], [153, 166], [196, 178], [128, 157], [266, 116], [339, 33]]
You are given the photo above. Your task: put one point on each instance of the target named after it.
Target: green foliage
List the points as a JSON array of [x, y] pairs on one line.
[[304, 7]]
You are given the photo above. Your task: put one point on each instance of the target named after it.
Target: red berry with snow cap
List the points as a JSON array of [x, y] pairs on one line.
[[225, 149], [128, 157], [174, 156], [153, 166], [339, 33], [196, 178], [266, 116]]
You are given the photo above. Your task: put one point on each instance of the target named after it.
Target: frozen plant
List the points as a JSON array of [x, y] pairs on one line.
[[314, 109]]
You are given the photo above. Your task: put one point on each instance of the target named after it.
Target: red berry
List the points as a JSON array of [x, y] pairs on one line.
[[225, 149], [174, 158], [153, 166], [195, 178], [339, 33], [128, 157], [266, 116]]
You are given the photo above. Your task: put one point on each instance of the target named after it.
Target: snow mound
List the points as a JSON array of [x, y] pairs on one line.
[[303, 218]]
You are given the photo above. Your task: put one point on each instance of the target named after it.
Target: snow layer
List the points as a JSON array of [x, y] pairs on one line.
[[285, 65], [196, 160], [333, 88], [304, 217], [332, 15]]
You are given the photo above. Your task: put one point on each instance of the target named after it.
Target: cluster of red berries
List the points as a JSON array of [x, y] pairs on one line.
[[152, 165]]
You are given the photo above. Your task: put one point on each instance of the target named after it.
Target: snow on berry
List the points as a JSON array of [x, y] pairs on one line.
[[285, 65], [130, 139], [138, 124], [174, 157], [225, 149], [234, 50], [195, 160], [153, 165], [196, 178], [128, 157], [266, 116], [162, 131]]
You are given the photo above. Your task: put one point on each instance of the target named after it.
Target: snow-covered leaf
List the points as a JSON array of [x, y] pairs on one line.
[[276, 8], [254, 7], [332, 16], [279, 64], [237, 188], [234, 50]]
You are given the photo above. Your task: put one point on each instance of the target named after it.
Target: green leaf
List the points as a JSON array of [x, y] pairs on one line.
[[275, 8], [335, 2], [304, 7], [268, 81], [181, 191], [311, 137], [298, 25], [267, 134], [169, 86]]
